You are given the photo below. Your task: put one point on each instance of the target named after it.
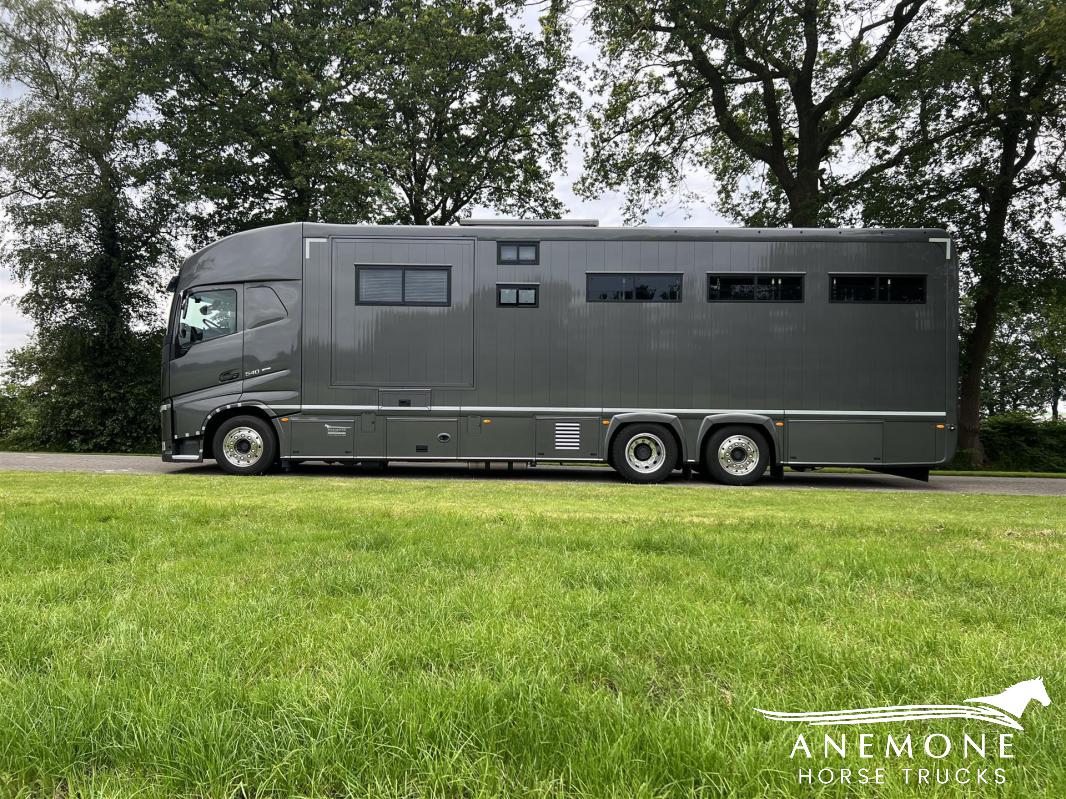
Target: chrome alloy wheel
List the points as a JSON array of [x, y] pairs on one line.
[[738, 455], [645, 453], [242, 446]]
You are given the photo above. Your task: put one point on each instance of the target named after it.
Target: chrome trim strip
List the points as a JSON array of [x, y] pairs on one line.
[[307, 245], [186, 457], [937, 414], [947, 247], [608, 411]]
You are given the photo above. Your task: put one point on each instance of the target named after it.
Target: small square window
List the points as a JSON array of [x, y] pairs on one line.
[[517, 296], [518, 252]]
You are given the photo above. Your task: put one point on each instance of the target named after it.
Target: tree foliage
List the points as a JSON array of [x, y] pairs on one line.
[[774, 100], [355, 110], [1026, 370], [90, 226], [467, 110]]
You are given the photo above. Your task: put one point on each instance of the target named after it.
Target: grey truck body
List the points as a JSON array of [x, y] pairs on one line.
[[462, 376]]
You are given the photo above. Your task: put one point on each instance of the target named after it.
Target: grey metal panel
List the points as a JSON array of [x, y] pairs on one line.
[[269, 253], [568, 437], [910, 442], [323, 438], [496, 437], [422, 438], [401, 345], [830, 441], [640, 233], [272, 353], [404, 398]]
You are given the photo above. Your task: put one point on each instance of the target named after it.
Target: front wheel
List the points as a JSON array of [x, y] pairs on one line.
[[643, 453], [245, 445], [736, 456]]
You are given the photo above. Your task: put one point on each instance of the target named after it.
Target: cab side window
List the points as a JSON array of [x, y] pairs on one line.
[[206, 315]]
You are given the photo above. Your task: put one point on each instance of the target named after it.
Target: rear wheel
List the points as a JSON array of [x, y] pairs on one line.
[[245, 445], [643, 453], [736, 456]]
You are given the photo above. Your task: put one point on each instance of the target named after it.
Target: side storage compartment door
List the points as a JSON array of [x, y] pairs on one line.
[[498, 437], [422, 438], [911, 442], [841, 442], [323, 438], [568, 438]]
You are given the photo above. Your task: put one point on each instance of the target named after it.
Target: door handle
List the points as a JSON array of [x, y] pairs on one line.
[[229, 374]]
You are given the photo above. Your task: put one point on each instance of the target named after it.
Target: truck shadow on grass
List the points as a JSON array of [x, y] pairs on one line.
[[576, 474]]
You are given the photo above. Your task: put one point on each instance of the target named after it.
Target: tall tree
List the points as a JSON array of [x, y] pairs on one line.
[[999, 186], [773, 99], [468, 109], [1026, 368], [355, 110], [248, 96], [90, 230]]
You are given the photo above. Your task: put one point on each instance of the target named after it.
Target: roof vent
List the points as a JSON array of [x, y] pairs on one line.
[[529, 222]]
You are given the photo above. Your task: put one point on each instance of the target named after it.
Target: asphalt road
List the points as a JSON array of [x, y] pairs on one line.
[[145, 464]]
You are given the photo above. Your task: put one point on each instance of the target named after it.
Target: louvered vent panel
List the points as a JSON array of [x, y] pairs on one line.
[[567, 435]]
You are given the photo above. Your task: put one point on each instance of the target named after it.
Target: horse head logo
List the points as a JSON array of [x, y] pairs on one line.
[[1016, 699], [1004, 709]]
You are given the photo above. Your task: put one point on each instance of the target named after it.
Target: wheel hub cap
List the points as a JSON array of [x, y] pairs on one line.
[[242, 446], [738, 455], [645, 452]]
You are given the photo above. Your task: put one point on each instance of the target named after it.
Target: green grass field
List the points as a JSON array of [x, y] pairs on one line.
[[386, 637]]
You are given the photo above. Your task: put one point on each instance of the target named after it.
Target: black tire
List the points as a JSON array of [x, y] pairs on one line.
[[245, 445], [643, 453], [746, 448]]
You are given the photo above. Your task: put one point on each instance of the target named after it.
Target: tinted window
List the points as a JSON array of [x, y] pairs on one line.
[[733, 287], [903, 288], [403, 285], [206, 315], [262, 306], [516, 296], [381, 285], [877, 288], [518, 252], [425, 286], [633, 287]]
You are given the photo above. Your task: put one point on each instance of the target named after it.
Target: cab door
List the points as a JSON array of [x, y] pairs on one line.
[[207, 352]]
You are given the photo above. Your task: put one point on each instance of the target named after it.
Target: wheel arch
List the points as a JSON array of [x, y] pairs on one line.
[[224, 412], [671, 422], [719, 420]]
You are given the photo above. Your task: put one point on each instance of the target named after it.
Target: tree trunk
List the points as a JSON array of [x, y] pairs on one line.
[[976, 344], [804, 200]]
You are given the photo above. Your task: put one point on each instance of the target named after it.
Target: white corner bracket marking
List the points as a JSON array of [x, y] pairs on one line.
[[947, 247], [307, 246]]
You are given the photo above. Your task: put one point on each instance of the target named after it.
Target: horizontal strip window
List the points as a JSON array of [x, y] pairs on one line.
[[905, 289], [632, 287], [756, 287], [403, 285], [518, 252], [515, 295]]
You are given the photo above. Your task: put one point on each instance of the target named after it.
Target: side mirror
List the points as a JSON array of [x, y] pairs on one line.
[[181, 341]]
